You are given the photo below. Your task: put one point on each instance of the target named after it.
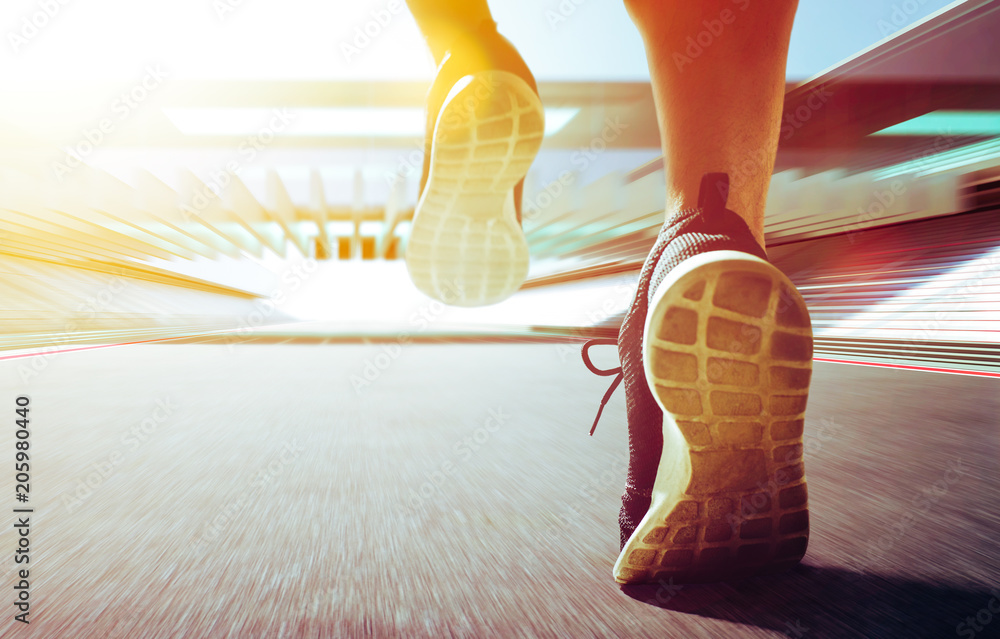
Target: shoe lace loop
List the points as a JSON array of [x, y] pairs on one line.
[[602, 341]]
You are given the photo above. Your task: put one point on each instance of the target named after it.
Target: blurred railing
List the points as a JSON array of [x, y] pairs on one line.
[[905, 263], [904, 268]]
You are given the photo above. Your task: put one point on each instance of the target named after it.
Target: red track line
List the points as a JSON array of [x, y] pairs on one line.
[[90, 348], [928, 369]]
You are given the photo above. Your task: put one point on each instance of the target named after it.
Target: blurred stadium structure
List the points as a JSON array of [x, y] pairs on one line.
[[186, 217]]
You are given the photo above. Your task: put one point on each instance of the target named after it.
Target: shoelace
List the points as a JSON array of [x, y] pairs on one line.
[[602, 341], [712, 197]]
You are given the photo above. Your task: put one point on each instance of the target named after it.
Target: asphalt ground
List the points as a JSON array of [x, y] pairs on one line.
[[303, 490]]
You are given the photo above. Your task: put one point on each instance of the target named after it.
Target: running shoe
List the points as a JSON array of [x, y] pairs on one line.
[[485, 126], [716, 354]]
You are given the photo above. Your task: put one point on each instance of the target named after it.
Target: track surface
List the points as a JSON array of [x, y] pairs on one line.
[[274, 500]]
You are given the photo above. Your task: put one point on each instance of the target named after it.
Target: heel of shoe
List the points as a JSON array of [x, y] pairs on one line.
[[466, 247], [728, 356], [488, 133]]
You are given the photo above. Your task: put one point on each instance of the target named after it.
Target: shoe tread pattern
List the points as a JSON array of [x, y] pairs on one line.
[[730, 364]]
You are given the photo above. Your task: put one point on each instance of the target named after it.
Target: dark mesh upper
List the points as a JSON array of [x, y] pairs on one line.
[[710, 227]]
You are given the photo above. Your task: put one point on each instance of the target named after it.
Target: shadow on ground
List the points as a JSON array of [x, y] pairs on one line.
[[810, 601]]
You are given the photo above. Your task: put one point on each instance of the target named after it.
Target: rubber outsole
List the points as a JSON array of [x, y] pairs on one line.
[[466, 247], [728, 357]]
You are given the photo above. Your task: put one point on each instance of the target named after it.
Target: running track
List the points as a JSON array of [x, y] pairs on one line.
[[267, 498]]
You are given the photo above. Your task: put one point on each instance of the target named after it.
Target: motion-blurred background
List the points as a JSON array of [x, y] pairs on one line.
[[178, 169], [232, 181]]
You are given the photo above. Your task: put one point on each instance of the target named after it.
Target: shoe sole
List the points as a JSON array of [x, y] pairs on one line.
[[466, 247], [728, 356]]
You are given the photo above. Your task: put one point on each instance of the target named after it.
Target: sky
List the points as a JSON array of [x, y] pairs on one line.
[[47, 43]]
